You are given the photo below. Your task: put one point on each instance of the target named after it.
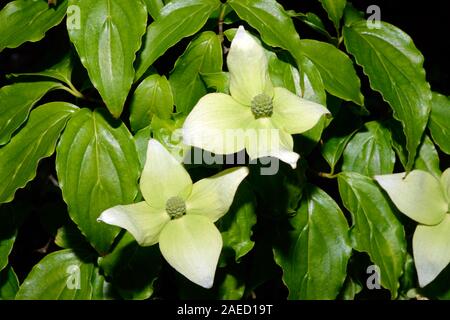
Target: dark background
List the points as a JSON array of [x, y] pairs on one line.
[[427, 22]]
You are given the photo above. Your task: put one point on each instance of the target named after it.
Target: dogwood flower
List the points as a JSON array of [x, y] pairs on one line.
[[256, 116], [425, 199], [178, 214]]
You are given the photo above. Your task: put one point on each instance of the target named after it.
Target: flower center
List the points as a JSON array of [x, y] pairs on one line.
[[175, 207], [262, 106]]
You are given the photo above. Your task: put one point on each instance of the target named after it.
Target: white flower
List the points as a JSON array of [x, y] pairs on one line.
[[254, 110]]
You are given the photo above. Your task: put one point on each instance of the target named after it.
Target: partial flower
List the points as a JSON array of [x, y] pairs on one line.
[[425, 199], [178, 214], [256, 116]]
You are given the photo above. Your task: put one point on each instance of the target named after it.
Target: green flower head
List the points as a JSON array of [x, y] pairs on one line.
[[178, 214], [425, 199], [247, 119]]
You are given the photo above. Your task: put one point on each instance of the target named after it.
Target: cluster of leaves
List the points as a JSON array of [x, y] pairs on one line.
[[313, 230]]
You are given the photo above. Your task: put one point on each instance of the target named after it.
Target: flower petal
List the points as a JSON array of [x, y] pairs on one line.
[[217, 124], [212, 197], [265, 140], [163, 176], [192, 245], [445, 181], [294, 114], [431, 246], [419, 195], [248, 66], [142, 221]]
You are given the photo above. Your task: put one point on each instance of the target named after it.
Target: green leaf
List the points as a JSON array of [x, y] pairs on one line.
[[439, 124], [370, 152], [271, 21], [61, 71], [375, 230], [25, 20], [178, 19], [8, 235], [220, 81], [336, 68], [98, 168], [154, 7], [152, 97], [341, 130], [335, 10], [428, 158], [283, 74], [69, 237], [9, 284], [395, 69], [236, 226], [133, 268], [37, 140], [16, 101], [312, 20], [141, 138], [107, 39], [316, 250], [61, 275], [311, 83], [350, 289], [231, 288], [203, 55], [11, 217]]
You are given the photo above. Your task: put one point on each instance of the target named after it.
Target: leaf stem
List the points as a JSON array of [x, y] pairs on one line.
[[327, 175], [223, 8], [73, 91]]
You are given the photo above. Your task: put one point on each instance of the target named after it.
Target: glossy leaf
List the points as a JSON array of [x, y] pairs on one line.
[[61, 275], [370, 152], [350, 289], [133, 268], [335, 10], [236, 226], [8, 233], [336, 68], [439, 124], [152, 97], [336, 137], [37, 140], [220, 81], [203, 55], [375, 229], [178, 19], [61, 71], [141, 139], [12, 216], [428, 158], [25, 20], [312, 20], [154, 7], [271, 20], [16, 101], [311, 82], [9, 284], [395, 69], [98, 168], [107, 39], [314, 254]]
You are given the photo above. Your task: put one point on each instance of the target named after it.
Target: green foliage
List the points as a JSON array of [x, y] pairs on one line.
[[362, 139]]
